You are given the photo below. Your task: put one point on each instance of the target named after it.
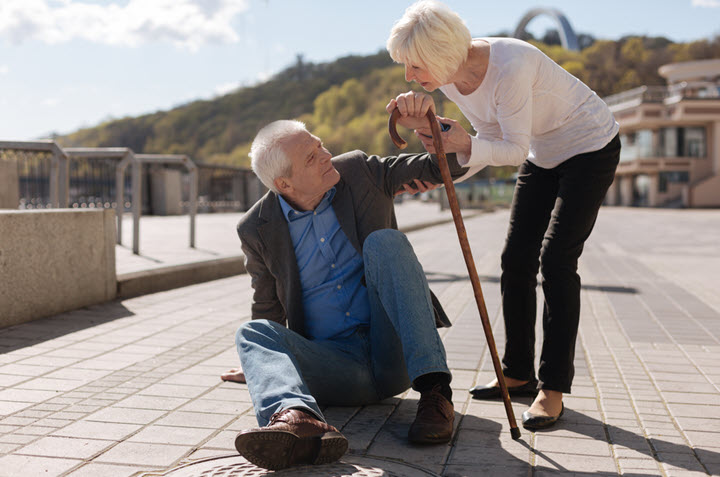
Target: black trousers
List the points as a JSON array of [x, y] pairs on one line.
[[553, 213]]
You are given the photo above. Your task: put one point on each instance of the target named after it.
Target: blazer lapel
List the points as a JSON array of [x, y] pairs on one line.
[[345, 212], [275, 235]]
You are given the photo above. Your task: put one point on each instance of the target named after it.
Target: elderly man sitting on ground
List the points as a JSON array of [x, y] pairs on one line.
[[341, 313]]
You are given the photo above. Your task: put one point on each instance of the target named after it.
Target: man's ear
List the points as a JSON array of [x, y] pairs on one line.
[[282, 185]]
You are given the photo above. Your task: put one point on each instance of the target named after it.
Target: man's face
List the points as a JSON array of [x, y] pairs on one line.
[[313, 174]]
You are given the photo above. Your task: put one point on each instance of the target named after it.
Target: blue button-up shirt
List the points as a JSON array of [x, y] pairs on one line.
[[335, 301]]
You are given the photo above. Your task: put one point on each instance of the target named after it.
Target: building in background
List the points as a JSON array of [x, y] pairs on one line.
[[670, 139]]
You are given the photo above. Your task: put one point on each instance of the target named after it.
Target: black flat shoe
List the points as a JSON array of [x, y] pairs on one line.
[[492, 392], [533, 422]]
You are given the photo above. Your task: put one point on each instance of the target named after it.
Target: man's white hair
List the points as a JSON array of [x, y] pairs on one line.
[[269, 160], [429, 34]]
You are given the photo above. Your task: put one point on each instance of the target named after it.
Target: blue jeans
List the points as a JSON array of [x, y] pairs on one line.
[[285, 370]]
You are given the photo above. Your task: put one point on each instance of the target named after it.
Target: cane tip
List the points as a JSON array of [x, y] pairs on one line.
[[515, 433]]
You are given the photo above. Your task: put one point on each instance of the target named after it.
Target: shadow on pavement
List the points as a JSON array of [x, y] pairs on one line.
[[46, 329], [450, 277], [677, 455]]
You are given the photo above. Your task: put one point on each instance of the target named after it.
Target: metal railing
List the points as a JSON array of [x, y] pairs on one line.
[[190, 166], [42, 172], [105, 185], [225, 188], [50, 176]]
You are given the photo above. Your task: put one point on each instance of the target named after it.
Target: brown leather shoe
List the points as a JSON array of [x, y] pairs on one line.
[[434, 420], [293, 437]]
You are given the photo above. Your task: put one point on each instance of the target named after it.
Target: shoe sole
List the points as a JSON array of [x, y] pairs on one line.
[[430, 440], [275, 450]]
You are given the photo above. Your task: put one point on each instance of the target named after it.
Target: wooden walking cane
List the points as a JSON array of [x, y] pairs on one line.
[[467, 253]]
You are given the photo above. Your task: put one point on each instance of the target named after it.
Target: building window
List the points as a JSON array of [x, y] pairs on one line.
[[663, 142], [672, 177], [668, 142], [636, 144], [694, 144]]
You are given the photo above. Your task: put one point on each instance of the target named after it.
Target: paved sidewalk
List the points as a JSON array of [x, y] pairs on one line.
[[131, 387]]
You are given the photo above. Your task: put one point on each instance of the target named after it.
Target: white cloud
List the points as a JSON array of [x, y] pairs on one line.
[[264, 76], [184, 23], [225, 88], [51, 102], [4, 69], [706, 3]]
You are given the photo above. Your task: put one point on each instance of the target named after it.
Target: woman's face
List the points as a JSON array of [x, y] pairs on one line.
[[421, 75]]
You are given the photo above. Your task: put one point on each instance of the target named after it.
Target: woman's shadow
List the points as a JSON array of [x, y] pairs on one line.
[[577, 425]]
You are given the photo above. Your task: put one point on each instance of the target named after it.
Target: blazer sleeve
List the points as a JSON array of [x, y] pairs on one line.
[[265, 303], [390, 173]]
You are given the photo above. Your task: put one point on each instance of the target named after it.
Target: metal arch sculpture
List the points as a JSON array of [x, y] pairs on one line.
[[567, 34]]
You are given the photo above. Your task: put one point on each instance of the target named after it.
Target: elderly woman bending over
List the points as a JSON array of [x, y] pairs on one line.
[[529, 112]]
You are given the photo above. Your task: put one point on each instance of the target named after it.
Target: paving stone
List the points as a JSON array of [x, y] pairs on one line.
[[365, 425], [76, 448], [35, 430], [26, 395], [15, 465], [213, 406], [575, 463], [109, 470], [225, 440], [196, 419], [97, 430], [52, 422], [629, 465], [11, 379], [125, 415], [246, 421], [172, 390], [17, 438], [511, 470], [548, 443], [143, 454], [158, 434], [162, 403]]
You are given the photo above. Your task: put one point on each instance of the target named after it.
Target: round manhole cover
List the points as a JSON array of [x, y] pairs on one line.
[[349, 466]]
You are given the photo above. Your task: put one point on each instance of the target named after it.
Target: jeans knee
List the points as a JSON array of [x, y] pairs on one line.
[[251, 330], [384, 244]]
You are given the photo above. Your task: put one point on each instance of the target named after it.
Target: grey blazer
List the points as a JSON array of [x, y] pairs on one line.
[[363, 203]]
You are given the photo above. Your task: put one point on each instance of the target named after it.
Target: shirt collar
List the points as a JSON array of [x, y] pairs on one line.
[[291, 214]]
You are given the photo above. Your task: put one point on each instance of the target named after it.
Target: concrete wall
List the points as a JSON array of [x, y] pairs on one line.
[[706, 193], [53, 261], [9, 186]]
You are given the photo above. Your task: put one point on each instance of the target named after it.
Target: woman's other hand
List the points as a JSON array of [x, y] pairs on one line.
[[455, 139], [419, 186]]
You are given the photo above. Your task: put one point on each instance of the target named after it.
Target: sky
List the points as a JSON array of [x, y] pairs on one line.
[[67, 64]]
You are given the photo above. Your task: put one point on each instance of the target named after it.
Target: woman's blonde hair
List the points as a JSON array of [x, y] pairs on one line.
[[430, 34]]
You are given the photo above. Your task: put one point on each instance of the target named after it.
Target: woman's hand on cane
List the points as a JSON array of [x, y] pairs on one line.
[[455, 138]]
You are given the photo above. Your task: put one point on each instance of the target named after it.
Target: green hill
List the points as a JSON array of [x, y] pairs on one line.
[[344, 101]]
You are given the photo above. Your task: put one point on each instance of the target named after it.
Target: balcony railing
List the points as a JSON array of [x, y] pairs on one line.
[[665, 94]]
